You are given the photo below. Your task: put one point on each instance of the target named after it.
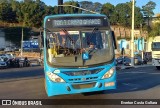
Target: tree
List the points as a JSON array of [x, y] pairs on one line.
[[123, 13], [14, 34], [3, 1], [155, 29], [55, 9], [31, 13], [148, 11], [96, 7], [6, 12], [138, 17], [86, 5], [71, 10], [109, 10]]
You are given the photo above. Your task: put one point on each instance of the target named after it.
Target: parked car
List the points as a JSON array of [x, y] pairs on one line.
[[3, 56], [8, 56], [3, 64], [127, 61], [14, 63], [8, 49], [123, 60]]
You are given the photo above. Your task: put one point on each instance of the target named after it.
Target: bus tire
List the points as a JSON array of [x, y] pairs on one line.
[[158, 67]]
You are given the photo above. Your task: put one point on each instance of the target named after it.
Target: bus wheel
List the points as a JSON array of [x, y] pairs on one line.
[[158, 67]]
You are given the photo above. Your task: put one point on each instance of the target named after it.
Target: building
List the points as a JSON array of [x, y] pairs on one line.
[[123, 36]]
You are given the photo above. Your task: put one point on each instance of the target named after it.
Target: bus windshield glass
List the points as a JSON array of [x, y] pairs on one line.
[[79, 48], [155, 46]]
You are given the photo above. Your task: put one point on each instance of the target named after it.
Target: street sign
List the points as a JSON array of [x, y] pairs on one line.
[[30, 44], [26, 44]]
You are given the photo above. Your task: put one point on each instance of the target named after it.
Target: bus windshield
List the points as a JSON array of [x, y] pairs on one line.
[[69, 48], [156, 46]]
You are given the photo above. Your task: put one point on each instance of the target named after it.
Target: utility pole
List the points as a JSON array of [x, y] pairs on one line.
[[142, 41], [60, 8], [132, 35]]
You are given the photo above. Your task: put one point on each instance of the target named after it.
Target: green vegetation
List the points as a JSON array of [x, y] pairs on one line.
[[14, 34], [30, 13], [155, 29], [148, 12]]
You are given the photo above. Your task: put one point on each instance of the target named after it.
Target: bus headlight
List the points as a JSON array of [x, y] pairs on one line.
[[109, 73], [55, 78]]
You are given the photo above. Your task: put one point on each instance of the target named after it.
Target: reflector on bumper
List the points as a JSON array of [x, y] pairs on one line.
[[107, 84]]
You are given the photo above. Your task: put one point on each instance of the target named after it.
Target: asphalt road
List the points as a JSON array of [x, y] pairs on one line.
[[135, 83]]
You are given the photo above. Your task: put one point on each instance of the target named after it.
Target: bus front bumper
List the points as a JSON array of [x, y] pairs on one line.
[[72, 88]]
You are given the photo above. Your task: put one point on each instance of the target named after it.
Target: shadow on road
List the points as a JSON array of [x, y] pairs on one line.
[[137, 79], [20, 73], [128, 80]]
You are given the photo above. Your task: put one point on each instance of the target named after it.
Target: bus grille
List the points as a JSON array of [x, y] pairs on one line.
[[82, 86], [83, 79], [83, 72]]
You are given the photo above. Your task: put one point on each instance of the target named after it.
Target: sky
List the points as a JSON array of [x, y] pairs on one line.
[[139, 3]]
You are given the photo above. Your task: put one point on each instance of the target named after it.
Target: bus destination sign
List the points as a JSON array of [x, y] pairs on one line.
[[76, 22]]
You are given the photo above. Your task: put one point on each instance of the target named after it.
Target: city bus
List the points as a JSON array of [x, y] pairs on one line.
[[78, 54]]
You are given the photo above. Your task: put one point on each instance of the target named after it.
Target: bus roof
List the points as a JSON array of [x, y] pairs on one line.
[[74, 15]]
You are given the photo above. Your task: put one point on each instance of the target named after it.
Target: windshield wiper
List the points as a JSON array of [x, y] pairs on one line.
[[68, 35]]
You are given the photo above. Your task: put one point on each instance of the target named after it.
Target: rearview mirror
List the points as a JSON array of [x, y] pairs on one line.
[[114, 39]]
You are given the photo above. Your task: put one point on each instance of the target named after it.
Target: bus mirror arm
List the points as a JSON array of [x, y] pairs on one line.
[[114, 39], [41, 41]]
